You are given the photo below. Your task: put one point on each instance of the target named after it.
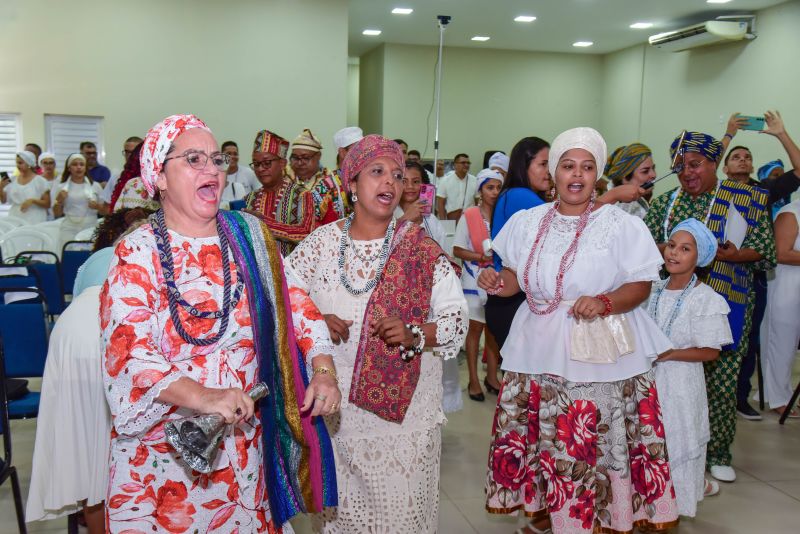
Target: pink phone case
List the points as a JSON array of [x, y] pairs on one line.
[[427, 194]]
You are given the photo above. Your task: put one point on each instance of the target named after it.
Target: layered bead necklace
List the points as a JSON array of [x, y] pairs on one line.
[[174, 297], [566, 260], [382, 257], [652, 309]]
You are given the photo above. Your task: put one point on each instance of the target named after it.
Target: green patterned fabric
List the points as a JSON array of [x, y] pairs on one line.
[[721, 378], [722, 374]]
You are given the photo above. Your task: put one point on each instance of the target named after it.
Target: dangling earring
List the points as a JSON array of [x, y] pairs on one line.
[[354, 196], [552, 193]]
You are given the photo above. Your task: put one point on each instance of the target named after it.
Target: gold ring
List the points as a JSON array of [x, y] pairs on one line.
[[335, 406], [321, 397]]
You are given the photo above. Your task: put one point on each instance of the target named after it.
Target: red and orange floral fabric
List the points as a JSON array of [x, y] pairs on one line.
[[592, 456], [150, 489]]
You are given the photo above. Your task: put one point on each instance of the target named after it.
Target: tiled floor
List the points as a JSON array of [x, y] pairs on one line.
[[764, 500]]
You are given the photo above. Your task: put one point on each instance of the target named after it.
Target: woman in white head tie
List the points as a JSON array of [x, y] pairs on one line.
[[29, 194], [578, 433]]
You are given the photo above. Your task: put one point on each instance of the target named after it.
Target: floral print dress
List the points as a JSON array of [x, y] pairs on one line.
[[150, 488]]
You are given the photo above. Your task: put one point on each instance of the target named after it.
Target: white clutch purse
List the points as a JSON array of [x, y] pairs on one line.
[[601, 340]]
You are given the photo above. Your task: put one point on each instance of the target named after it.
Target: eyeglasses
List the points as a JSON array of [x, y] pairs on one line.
[[267, 163], [300, 159], [197, 160]]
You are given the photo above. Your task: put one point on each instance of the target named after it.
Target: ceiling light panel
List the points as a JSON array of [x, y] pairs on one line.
[[641, 25], [371, 33], [582, 44], [717, 1], [525, 18], [402, 11], [480, 38]]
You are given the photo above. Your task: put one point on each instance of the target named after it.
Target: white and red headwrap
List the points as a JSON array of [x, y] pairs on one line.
[[157, 143]]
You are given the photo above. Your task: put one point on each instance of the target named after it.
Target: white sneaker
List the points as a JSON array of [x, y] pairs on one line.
[[723, 473]]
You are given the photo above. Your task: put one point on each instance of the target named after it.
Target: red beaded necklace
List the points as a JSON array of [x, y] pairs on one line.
[[566, 260]]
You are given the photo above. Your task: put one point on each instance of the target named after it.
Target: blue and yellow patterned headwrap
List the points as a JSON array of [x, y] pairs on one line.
[[624, 160], [701, 143], [764, 170]]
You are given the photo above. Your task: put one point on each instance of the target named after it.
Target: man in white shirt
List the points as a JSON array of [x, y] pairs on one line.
[[241, 180], [456, 191]]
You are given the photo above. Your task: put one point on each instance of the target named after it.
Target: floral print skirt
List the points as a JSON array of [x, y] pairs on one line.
[[591, 455]]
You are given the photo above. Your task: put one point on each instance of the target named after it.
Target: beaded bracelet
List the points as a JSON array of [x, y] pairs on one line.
[[729, 136], [607, 302], [408, 353], [496, 290]]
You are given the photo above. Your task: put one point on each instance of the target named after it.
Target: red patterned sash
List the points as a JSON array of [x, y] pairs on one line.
[[382, 382]]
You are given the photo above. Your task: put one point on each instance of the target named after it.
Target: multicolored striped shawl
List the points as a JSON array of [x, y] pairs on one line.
[[298, 459], [733, 280]]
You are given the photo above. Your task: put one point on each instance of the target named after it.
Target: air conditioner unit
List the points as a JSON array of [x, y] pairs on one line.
[[703, 34]]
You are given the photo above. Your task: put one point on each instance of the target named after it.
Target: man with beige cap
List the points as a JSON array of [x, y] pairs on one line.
[[330, 198], [283, 204]]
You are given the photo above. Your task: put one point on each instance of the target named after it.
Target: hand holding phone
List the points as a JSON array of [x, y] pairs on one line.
[[752, 123], [427, 195], [5, 177]]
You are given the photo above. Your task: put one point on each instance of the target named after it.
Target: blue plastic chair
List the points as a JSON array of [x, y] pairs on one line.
[[7, 469], [17, 276], [47, 269], [237, 205], [73, 255], [23, 328]]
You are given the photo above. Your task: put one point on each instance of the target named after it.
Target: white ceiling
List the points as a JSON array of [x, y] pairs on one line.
[[559, 22]]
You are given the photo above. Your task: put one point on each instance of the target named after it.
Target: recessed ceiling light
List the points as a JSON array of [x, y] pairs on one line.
[[480, 38], [641, 25], [717, 1], [525, 18], [582, 44], [402, 11], [371, 32]]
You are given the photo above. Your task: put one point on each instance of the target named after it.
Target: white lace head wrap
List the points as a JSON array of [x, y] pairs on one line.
[[588, 139]]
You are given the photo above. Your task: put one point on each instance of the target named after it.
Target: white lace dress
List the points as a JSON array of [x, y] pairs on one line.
[[387, 473], [701, 322]]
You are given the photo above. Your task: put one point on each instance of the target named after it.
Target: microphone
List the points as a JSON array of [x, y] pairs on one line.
[[677, 163]]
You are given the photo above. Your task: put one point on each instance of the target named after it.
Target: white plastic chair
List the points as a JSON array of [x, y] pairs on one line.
[[6, 226], [26, 238], [16, 221]]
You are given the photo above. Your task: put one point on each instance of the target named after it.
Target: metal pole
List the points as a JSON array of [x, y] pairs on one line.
[[443, 21]]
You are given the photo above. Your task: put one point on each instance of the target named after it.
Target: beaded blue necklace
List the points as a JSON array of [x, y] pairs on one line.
[[652, 309], [384, 255], [174, 296]]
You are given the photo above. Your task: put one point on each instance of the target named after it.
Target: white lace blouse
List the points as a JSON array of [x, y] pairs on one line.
[[615, 249]]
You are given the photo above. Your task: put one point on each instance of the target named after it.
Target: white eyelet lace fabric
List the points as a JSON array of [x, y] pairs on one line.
[[702, 322], [387, 473]]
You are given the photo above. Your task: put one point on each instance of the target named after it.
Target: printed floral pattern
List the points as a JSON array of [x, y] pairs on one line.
[[576, 451], [150, 489]]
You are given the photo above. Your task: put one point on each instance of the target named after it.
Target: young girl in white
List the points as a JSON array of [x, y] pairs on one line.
[[473, 229], [694, 317]]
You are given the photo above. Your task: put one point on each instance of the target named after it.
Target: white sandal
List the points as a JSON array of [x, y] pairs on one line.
[[531, 527], [711, 488]]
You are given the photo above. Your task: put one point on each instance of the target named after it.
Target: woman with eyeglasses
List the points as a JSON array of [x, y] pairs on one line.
[[196, 311], [75, 198]]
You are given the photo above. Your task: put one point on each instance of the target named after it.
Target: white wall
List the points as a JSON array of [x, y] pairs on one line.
[[239, 65], [699, 89], [490, 98]]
